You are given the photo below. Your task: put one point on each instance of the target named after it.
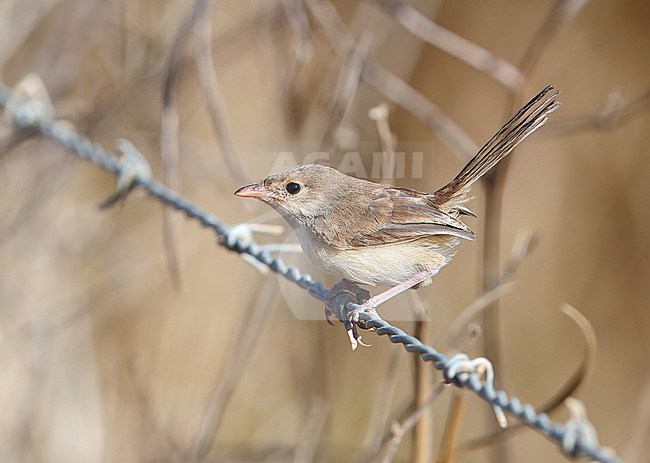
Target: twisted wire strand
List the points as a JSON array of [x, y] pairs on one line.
[[525, 413], [83, 147], [454, 369]]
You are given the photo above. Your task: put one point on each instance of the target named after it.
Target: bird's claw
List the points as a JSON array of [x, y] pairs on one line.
[[355, 323], [329, 314], [355, 338]]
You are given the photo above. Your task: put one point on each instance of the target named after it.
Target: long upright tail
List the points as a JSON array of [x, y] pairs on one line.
[[529, 118]]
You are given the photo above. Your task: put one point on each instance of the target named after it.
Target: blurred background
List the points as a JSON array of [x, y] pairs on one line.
[[128, 335]]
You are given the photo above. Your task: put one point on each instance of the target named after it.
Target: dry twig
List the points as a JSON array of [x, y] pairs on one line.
[[169, 142], [226, 381], [562, 14], [210, 87], [392, 86], [608, 119], [312, 431], [479, 58]]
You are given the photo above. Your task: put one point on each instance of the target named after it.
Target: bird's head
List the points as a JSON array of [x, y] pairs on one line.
[[301, 192]]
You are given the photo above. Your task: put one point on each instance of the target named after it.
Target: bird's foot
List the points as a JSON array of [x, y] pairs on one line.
[[336, 306], [340, 294]]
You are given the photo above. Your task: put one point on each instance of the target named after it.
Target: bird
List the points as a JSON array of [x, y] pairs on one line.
[[377, 234]]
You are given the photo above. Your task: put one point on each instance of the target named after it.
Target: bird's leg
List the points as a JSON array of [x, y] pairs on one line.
[[345, 291], [375, 301]]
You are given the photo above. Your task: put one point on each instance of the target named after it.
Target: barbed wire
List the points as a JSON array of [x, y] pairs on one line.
[[28, 108]]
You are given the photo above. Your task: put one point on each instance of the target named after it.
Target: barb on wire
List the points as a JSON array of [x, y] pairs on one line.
[[243, 233], [575, 439], [134, 169], [567, 436], [64, 134], [560, 396]]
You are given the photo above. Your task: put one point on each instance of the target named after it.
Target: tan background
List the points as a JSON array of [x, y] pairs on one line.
[[103, 359]]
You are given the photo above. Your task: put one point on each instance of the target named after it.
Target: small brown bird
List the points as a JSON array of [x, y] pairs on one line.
[[377, 234]]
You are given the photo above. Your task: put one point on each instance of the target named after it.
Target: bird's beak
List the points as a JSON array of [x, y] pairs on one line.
[[254, 191]]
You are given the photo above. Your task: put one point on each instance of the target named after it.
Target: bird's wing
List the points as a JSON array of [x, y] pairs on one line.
[[393, 215]]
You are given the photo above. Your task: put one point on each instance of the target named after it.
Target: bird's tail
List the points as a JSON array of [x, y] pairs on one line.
[[528, 119]]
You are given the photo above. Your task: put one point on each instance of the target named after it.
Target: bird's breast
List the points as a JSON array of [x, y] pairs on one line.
[[388, 264]]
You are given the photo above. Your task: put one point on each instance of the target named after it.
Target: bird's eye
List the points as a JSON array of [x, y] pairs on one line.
[[293, 188]]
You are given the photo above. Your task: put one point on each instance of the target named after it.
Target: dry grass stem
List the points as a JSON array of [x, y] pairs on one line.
[[569, 388]]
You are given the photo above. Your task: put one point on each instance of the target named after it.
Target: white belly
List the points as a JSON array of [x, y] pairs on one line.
[[388, 264]]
